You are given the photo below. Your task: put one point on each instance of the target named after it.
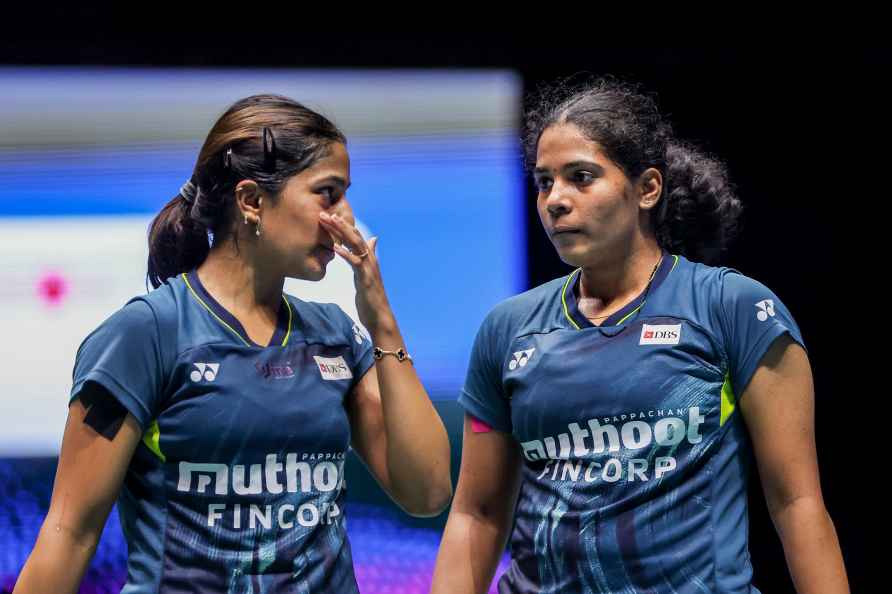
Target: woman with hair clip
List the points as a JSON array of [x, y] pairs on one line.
[[611, 415], [217, 409]]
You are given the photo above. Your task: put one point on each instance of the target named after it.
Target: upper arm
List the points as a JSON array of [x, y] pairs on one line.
[[483, 394], [368, 436], [120, 366], [751, 317], [489, 479], [126, 356], [771, 378], [89, 475], [778, 409]]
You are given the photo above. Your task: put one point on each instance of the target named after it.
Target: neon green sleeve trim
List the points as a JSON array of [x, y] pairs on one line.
[[152, 439]]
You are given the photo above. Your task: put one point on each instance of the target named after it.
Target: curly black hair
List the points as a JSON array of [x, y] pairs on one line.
[[698, 213]]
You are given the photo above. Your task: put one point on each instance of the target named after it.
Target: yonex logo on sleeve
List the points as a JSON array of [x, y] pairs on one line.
[[520, 359], [766, 309], [333, 368], [207, 371], [660, 334], [357, 334]]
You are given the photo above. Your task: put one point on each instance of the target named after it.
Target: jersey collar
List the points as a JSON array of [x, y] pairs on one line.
[[221, 314], [570, 303]]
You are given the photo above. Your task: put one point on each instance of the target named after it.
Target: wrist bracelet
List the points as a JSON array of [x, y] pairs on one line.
[[400, 354]]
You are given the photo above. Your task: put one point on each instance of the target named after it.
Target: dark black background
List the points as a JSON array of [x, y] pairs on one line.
[[783, 119]]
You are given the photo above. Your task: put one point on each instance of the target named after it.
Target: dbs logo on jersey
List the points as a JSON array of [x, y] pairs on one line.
[[204, 371], [660, 334], [333, 368]]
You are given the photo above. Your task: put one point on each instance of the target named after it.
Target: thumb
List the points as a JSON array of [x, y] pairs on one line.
[[373, 245]]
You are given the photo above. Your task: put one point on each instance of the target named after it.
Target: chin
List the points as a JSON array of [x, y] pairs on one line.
[[313, 273], [573, 258]]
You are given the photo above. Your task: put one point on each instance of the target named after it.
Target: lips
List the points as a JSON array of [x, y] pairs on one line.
[[563, 230]]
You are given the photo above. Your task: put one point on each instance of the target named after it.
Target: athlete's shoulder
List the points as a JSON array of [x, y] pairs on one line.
[[164, 299], [535, 310], [694, 284], [164, 303], [320, 320], [722, 282]]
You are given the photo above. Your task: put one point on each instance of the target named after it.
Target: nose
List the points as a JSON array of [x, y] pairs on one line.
[[557, 202], [343, 209]]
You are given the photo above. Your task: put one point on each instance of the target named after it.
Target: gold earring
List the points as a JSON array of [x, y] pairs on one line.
[[246, 219]]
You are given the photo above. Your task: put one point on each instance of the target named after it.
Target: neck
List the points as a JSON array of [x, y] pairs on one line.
[[239, 285], [621, 276]]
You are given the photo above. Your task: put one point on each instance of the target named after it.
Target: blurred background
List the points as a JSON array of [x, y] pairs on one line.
[[98, 131]]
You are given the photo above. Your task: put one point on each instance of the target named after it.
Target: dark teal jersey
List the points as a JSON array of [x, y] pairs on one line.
[[635, 457], [238, 483]]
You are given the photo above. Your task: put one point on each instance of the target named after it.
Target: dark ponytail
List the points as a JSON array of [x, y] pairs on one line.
[[265, 138], [177, 241], [698, 212]]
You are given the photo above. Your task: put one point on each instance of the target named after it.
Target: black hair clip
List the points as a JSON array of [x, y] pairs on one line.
[[269, 149], [227, 158]]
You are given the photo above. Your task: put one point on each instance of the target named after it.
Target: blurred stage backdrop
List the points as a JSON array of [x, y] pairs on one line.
[[88, 156]]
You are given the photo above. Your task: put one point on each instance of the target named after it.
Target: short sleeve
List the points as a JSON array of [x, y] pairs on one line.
[[483, 395], [360, 345], [123, 355], [362, 351], [752, 317]]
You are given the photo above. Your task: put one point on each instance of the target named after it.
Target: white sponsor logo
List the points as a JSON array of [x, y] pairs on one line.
[[357, 334], [579, 454], [207, 371], [305, 474], [316, 474], [766, 309], [520, 359], [333, 368], [656, 334], [307, 515]]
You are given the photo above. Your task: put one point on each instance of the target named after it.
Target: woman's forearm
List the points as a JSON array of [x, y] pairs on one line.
[[811, 547], [57, 563], [417, 444], [469, 554]]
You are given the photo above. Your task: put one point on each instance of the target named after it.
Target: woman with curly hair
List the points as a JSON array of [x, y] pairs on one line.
[[611, 414]]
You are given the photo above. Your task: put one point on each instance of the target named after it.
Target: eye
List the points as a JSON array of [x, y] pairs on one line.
[[542, 183], [583, 177], [330, 193]]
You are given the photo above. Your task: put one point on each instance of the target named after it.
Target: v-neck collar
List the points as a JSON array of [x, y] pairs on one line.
[[578, 320], [222, 315]]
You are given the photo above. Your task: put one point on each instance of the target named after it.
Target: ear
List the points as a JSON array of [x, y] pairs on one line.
[[650, 187], [248, 199]]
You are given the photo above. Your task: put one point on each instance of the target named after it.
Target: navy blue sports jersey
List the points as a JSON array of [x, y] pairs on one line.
[[238, 483], [635, 459]]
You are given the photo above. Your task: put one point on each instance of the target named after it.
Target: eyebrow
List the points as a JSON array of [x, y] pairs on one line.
[[572, 165], [337, 179]]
